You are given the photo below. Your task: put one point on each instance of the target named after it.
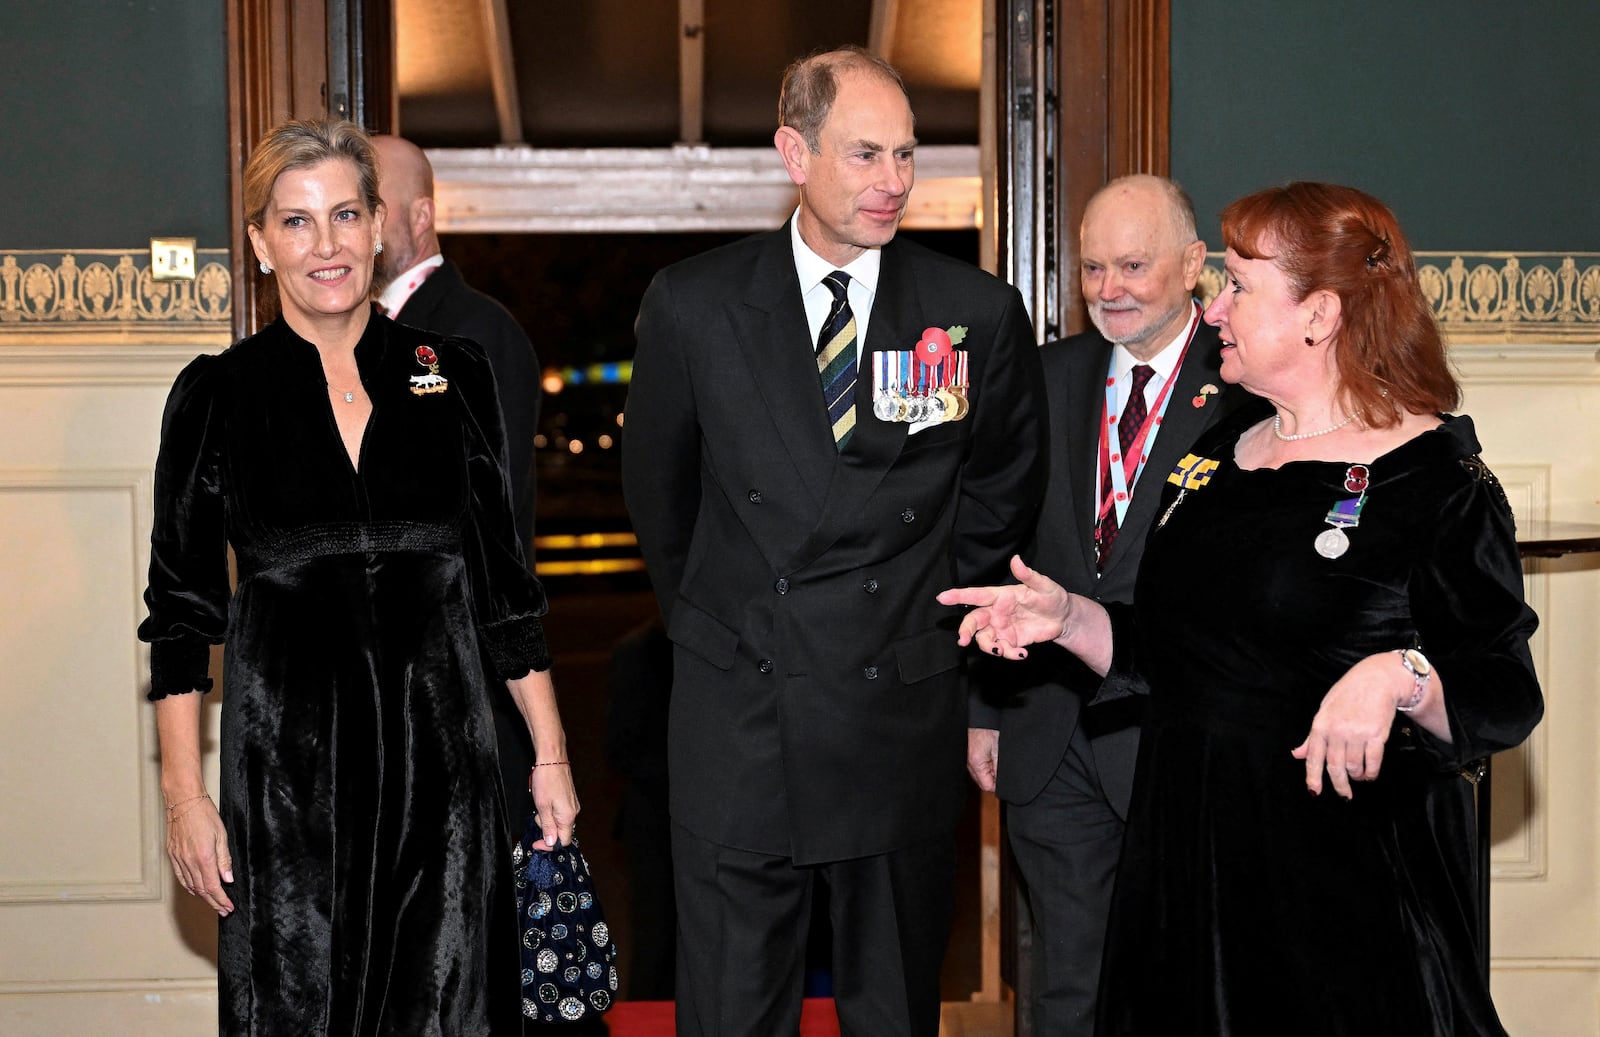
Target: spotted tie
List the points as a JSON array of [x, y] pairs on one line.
[[836, 359], [1132, 419]]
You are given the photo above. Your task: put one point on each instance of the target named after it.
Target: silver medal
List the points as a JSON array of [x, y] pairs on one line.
[[1331, 543], [885, 407]]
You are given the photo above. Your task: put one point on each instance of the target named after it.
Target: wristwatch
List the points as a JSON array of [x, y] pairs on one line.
[[1420, 669]]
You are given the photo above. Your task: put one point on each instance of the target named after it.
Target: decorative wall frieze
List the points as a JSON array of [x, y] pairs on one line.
[[85, 290], [1497, 296], [1476, 297]]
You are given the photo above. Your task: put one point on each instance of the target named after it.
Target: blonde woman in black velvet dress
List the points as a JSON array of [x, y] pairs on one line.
[[357, 855]]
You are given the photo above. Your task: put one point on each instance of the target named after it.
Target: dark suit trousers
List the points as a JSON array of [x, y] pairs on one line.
[[1066, 841], [743, 919]]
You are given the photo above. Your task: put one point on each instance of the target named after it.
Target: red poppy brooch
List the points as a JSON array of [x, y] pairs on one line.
[[433, 381]]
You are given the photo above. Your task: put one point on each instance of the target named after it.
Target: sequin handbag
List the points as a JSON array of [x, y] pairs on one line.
[[569, 967]]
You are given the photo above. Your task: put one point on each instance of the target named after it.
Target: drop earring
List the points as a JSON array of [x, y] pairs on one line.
[[377, 248]]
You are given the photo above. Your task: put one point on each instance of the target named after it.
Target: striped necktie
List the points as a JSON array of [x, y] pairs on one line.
[[1134, 413], [836, 359]]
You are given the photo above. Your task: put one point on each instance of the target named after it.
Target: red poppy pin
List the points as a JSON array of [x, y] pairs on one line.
[[433, 381], [1206, 390], [936, 343]]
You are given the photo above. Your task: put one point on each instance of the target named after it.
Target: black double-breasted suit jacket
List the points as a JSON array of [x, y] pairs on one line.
[[1044, 697], [819, 707]]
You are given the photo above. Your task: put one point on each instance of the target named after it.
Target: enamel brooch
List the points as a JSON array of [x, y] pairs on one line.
[[433, 381]]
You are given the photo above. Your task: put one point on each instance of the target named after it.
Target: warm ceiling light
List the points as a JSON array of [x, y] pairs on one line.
[[440, 49], [939, 43]]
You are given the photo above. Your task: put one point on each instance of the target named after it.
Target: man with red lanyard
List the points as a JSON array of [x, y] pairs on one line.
[[1125, 402]]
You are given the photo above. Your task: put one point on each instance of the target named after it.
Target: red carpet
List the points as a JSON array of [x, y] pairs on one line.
[[818, 1018]]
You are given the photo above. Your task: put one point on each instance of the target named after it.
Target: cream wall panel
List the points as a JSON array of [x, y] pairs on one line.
[[72, 554], [1549, 999], [92, 939], [144, 1010], [1537, 409], [1518, 828]]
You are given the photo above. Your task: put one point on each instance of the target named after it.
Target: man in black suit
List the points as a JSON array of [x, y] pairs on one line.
[[796, 539], [419, 287], [1063, 741]]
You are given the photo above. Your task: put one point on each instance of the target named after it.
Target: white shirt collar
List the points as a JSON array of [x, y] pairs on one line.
[[1165, 362], [404, 286], [812, 268]]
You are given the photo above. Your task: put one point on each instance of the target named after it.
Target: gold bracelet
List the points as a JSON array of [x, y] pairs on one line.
[[172, 811]]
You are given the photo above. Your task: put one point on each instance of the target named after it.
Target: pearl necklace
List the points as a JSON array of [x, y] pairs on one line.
[[1277, 429]]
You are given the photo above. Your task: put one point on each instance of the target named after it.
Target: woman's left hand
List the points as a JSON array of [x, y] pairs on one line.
[[1352, 726], [555, 800], [555, 797]]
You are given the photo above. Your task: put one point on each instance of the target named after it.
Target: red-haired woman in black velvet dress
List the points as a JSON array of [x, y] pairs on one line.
[[1330, 618]]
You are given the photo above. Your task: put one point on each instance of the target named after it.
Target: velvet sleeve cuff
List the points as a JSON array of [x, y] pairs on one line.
[[516, 646], [1124, 678], [179, 666]]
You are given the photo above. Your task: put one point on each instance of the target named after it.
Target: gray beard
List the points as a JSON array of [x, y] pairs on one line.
[[1139, 334]]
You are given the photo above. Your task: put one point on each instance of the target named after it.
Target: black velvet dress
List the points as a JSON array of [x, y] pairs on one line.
[[360, 791], [1243, 905]]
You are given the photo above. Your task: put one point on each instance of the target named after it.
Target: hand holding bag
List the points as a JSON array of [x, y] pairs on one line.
[[569, 967]]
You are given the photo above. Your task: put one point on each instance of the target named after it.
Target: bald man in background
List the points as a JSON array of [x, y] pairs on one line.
[[419, 287], [1054, 741]]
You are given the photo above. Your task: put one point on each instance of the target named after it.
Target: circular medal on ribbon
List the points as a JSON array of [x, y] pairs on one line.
[[1331, 543]]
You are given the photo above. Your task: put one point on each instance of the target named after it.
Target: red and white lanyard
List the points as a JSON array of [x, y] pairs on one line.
[[1125, 468]]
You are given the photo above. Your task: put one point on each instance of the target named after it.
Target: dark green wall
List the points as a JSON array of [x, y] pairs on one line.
[[1478, 122], [113, 123]]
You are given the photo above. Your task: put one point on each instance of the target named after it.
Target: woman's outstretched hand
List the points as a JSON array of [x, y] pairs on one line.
[[1005, 620]]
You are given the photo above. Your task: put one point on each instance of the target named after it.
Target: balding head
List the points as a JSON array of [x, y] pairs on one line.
[[1140, 259], [405, 180]]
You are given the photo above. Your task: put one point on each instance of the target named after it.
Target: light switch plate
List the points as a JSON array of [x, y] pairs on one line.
[[172, 259]]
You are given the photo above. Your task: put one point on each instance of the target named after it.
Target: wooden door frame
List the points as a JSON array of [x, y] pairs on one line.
[[1084, 96], [298, 59]]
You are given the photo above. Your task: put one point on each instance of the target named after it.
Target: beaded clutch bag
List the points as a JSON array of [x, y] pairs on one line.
[[569, 967]]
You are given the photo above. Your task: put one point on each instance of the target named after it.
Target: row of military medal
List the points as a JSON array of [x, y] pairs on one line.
[[925, 384]]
